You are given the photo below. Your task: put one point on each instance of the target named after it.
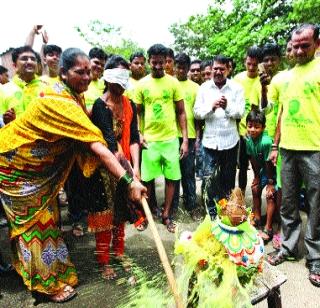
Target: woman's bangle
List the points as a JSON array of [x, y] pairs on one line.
[[274, 146], [126, 179]]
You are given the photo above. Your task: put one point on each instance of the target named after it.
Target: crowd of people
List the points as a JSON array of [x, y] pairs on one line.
[[103, 129]]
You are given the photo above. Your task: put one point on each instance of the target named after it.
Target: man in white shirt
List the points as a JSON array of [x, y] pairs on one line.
[[220, 102]]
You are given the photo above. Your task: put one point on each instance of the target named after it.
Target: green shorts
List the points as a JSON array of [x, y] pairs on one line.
[[161, 158]]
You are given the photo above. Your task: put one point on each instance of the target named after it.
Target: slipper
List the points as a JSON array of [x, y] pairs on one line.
[[64, 295], [278, 257], [156, 212], [77, 230], [266, 235], [276, 241], [196, 215], [143, 226], [314, 273], [108, 273], [171, 225]]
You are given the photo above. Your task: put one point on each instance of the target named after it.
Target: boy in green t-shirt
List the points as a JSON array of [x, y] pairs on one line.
[[258, 145]]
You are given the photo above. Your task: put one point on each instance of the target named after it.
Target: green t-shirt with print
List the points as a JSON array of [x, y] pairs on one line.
[[18, 94], [158, 97], [252, 93], [189, 90], [259, 149], [300, 98], [274, 93]]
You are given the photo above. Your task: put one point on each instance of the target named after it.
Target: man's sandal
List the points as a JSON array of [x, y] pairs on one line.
[[278, 257], [171, 225], [276, 241], [266, 235], [314, 273]]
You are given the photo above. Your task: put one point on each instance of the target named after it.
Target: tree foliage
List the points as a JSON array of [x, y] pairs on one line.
[[109, 38], [231, 29]]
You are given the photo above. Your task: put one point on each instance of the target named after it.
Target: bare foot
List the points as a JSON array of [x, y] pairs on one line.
[[108, 273]]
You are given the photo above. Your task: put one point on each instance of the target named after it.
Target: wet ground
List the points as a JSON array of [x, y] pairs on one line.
[[93, 291]]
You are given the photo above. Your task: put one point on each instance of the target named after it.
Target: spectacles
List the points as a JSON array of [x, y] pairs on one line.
[[193, 70]]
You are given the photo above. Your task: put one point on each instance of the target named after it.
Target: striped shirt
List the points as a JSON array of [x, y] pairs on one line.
[[220, 131]]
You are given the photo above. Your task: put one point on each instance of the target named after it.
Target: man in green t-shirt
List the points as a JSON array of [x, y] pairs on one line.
[[24, 86], [51, 57], [300, 150], [271, 60], [160, 106], [98, 60], [250, 82], [187, 164]]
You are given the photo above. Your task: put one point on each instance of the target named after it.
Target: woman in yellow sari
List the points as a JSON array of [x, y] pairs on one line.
[[36, 154]]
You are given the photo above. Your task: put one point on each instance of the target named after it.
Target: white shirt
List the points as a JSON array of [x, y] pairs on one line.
[[220, 132]]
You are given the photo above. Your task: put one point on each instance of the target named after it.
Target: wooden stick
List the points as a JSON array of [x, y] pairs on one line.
[[163, 255]]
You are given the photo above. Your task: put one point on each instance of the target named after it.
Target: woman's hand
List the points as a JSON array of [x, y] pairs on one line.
[[136, 191]]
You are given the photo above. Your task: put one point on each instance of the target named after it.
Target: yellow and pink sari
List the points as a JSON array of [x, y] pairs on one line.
[[36, 154]]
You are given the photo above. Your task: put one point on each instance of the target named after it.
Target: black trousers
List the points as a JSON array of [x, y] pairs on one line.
[[227, 160]]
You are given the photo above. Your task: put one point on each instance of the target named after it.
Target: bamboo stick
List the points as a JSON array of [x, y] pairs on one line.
[[163, 255]]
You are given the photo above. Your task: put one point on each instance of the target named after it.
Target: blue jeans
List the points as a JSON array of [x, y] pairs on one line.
[[188, 181], [227, 160]]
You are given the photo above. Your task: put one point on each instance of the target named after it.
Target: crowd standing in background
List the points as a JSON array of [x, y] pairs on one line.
[[96, 125]]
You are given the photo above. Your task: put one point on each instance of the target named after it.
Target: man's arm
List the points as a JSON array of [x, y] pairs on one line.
[[275, 146], [182, 119], [143, 142], [256, 170], [30, 38], [201, 110]]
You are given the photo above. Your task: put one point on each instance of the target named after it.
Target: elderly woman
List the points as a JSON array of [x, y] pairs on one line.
[[36, 154], [116, 116]]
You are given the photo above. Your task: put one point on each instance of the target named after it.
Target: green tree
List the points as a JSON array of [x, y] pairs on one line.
[[109, 38], [230, 30]]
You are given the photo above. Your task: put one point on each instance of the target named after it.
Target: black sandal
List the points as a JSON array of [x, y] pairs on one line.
[[171, 225], [266, 235], [314, 273], [278, 257]]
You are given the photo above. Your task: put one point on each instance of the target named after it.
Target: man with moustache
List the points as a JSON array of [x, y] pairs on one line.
[[300, 150], [220, 102], [24, 86]]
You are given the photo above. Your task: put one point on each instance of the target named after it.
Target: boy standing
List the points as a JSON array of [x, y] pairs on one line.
[[259, 145]]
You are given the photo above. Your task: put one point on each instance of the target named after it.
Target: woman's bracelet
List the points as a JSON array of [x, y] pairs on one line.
[[126, 179], [274, 147]]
